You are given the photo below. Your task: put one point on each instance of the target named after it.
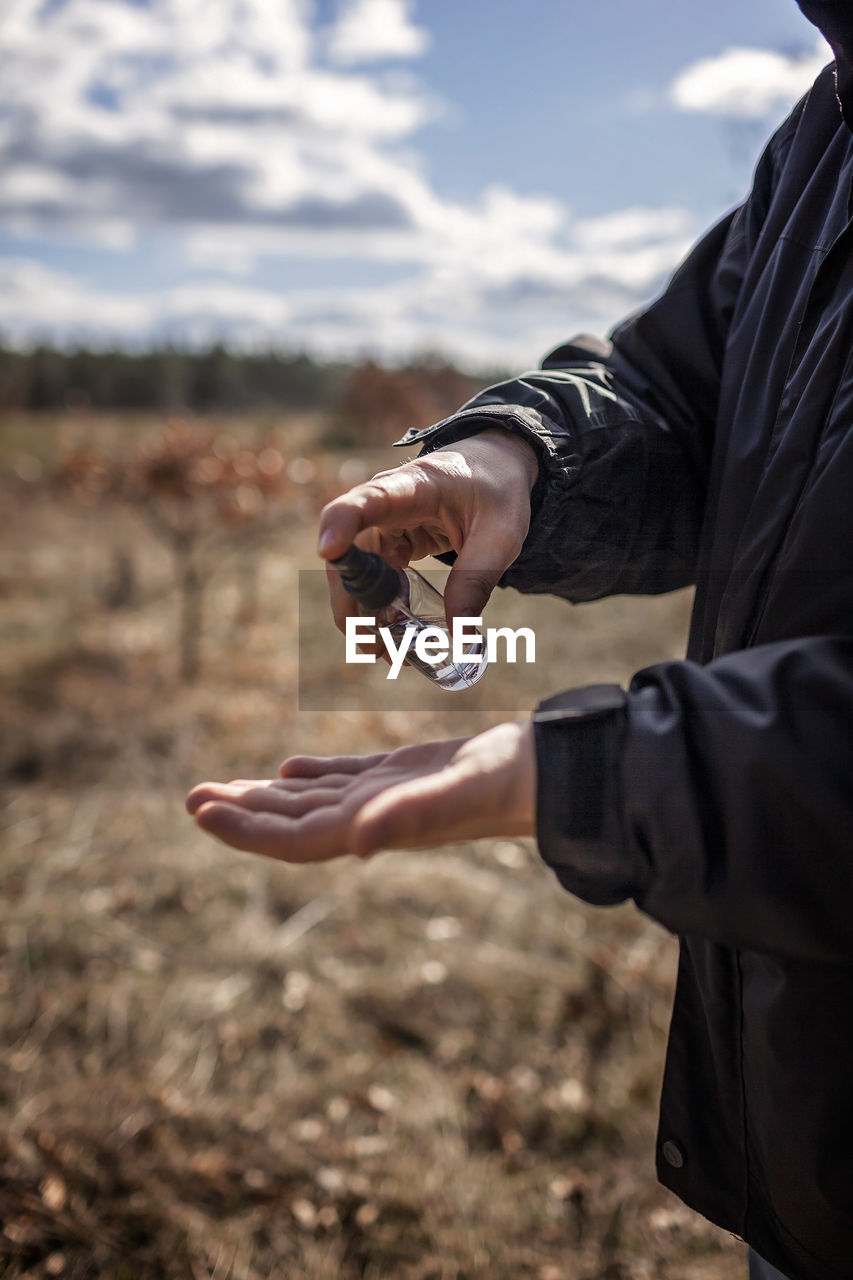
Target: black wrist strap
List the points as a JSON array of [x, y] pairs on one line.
[[578, 737]]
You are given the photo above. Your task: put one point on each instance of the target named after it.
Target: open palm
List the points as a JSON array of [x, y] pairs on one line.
[[433, 793]]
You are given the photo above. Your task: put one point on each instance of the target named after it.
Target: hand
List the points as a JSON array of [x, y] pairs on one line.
[[472, 498], [434, 793]]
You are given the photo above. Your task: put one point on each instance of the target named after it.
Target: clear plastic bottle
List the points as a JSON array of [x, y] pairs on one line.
[[401, 599]]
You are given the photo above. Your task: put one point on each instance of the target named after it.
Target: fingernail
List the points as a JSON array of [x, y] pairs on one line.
[[326, 540]]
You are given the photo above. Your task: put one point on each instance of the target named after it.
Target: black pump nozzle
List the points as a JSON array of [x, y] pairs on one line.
[[371, 580]]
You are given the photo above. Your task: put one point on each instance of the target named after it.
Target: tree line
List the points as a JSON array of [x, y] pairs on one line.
[[218, 379], [165, 379]]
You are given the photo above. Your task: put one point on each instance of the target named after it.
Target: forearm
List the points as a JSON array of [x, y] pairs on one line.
[[624, 431], [617, 502], [723, 806]]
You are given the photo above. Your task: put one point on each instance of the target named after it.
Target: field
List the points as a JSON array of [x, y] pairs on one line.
[[433, 1066]]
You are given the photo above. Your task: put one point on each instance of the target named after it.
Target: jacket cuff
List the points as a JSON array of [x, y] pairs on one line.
[[579, 737], [470, 422]]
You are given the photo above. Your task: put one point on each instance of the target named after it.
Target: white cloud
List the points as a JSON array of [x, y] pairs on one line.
[[511, 300], [627, 228], [374, 30], [190, 113], [747, 84], [216, 125], [36, 301]]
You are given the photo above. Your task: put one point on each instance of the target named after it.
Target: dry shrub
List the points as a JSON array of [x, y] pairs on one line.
[[436, 1065]]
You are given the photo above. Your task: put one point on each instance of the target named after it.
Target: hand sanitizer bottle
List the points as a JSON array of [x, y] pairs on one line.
[[401, 599]]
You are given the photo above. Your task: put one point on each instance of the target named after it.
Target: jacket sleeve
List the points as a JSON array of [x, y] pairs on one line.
[[718, 797], [624, 429]]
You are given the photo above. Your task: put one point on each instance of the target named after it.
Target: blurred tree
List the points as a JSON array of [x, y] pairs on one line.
[[218, 381], [377, 404], [48, 378], [203, 494], [165, 379], [14, 378], [369, 402]]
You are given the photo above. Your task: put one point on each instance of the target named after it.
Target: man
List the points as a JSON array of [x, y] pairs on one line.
[[711, 441]]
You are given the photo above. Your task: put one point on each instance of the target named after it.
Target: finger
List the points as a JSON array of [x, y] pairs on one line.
[[242, 782], [317, 766], [204, 791], [315, 838], [401, 498], [200, 794], [295, 804], [296, 784], [343, 607], [343, 604], [485, 556], [273, 799], [252, 832]]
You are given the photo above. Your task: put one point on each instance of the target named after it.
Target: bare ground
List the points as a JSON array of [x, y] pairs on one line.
[[435, 1066]]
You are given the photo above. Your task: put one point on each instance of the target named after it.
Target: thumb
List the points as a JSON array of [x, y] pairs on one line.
[[433, 809], [482, 561]]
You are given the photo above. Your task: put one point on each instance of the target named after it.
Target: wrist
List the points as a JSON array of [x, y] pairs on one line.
[[513, 446], [512, 748], [525, 791]]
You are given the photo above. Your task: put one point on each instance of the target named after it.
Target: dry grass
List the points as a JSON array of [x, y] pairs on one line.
[[434, 1065]]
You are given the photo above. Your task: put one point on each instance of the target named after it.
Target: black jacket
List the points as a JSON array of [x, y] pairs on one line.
[[712, 442]]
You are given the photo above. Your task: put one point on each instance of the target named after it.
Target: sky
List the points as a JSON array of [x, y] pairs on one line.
[[478, 178]]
